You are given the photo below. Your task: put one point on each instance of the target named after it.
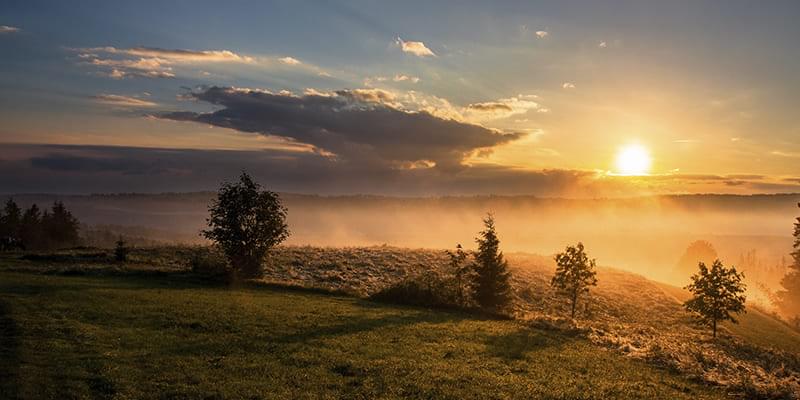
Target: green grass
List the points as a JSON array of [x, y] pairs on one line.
[[128, 337]]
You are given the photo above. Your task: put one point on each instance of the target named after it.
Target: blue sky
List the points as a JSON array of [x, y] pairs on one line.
[[542, 95]]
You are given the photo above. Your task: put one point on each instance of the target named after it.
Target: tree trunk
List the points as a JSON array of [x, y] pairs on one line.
[[714, 327], [574, 302]]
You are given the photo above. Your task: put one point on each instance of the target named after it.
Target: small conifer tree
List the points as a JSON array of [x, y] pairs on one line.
[[492, 280]]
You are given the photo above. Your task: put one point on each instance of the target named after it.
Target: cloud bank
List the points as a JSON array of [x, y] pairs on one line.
[[360, 126]]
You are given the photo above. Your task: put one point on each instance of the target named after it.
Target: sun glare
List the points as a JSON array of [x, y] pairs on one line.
[[633, 159]]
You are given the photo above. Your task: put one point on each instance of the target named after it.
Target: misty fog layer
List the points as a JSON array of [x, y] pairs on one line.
[[647, 235]]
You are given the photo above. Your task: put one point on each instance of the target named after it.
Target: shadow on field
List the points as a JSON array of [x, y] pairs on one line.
[[354, 325], [9, 357], [514, 345]]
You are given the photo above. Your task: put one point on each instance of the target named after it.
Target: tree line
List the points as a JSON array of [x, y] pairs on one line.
[[246, 222], [36, 229]]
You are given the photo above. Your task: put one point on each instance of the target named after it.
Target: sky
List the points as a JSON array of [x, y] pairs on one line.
[[561, 98]]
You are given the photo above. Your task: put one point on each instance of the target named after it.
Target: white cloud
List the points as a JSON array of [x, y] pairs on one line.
[[416, 48], [289, 60], [122, 101], [568, 85], [602, 45], [542, 34], [8, 29]]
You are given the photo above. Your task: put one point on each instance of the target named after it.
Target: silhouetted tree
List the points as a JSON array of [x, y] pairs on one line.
[[245, 223], [30, 231], [491, 282], [462, 271], [121, 251], [574, 274], [60, 227], [789, 297], [716, 293], [697, 251], [10, 223]]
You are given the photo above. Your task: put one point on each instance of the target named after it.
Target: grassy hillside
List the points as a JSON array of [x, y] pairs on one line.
[[754, 326], [128, 337], [625, 314]]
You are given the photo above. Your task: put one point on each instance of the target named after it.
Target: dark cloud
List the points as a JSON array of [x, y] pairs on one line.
[[89, 169], [358, 126], [72, 163], [106, 169]]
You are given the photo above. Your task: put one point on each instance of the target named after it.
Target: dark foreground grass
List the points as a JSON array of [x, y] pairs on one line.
[[126, 337]]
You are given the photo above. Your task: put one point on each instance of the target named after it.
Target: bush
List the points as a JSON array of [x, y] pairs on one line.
[[210, 264], [429, 289], [121, 251]]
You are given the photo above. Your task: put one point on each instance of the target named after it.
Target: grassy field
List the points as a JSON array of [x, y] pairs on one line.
[[164, 337], [754, 326]]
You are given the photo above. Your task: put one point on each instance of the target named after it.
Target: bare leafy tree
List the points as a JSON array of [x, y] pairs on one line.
[[574, 274], [462, 271], [246, 222], [717, 292], [492, 280]]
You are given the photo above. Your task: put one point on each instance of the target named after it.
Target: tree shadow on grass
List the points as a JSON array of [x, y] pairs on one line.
[[9, 354], [515, 345], [354, 325]]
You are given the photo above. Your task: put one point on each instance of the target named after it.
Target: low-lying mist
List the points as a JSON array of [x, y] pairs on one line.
[[647, 235]]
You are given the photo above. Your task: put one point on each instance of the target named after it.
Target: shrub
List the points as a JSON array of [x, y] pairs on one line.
[[210, 264], [428, 289], [121, 251]]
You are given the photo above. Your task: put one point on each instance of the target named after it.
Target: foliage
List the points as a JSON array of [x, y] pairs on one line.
[[716, 293], [10, 225], [463, 273], [36, 230], [246, 222], [209, 264], [121, 250], [575, 272], [492, 280], [789, 298], [428, 289]]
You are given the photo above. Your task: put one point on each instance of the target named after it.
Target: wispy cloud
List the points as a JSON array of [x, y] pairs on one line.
[[174, 55], [602, 45], [568, 85], [542, 34], [416, 48], [122, 101], [150, 62], [8, 29], [501, 108], [788, 154], [402, 78]]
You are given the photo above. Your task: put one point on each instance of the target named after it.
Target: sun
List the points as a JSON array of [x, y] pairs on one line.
[[632, 160]]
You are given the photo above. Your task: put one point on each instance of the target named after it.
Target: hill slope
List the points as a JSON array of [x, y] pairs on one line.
[[106, 337]]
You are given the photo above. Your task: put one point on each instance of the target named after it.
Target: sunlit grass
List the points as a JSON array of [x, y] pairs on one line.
[[129, 337]]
